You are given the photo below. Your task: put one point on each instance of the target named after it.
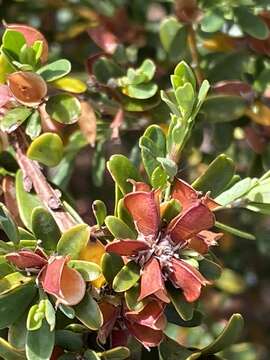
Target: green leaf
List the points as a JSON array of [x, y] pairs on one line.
[[223, 108], [131, 298], [260, 193], [259, 207], [67, 310], [209, 269], [27, 56], [251, 24], [89, 270], [203, 91], [159, 177], [40, 343], [182, 75], [170, 350], [234, 231], [117, 353], [26, 201], [9, 309], [55, 70], [91, 355], [13, 281], [35, 316], [74, 240], [14, 118], [121, 170], [217, 176], [70, 84], [111, 264], [212, 21], [172, 209], [5, 267], [127, 277], [48, 149], [141, 91], [169, 166], [100, 211], [33, 127], [17, 333], [138, 105], [8, 225], [183, 308], [64, 108], [50, 314], [237, 191], [229, 336], [119, 229], [168, 30], [9, 352], [13, 41], [153, 145], [45, 228], [88, 312], [148, 69], [69, 340], [185, 97], [105, 69]]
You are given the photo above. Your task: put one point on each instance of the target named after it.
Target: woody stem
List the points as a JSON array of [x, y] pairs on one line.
[[33, 176], [194, 54]]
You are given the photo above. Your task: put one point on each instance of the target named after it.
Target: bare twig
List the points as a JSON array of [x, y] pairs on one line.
[[33, 176], [194, 54]]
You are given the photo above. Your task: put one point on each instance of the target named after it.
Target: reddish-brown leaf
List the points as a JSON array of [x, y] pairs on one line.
[[195, 219], [187, 278], [126, 247], [152, 282], [142, 206]]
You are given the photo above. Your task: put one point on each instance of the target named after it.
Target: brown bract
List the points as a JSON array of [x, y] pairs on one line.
[[28, 88]]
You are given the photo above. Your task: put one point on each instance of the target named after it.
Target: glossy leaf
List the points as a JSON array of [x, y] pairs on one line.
[[35, 316], [89, 313], [111, 264], [119, 229], [212, 21], [100, 211], [141, 91], [121, 170], [70, 84], [216, 177], [64, 108], [89, 270], [45, 228], [126, 277], [8, 225], [33, 127], [9, 352], [69, 340], [209, 269], [13, 41], [229, 335], [73, 241], [183, 308], [170, 350], [40, 343], [26, 201], [13, 281], [168, 30], [9, 310], [14, 118], [238, 190], [17, 332], [55, 70], [223, 108], [131, 298], [47, 149], [117, 353], [185, 98], [251, 23]]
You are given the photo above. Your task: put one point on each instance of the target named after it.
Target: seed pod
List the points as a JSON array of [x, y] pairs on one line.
[[28, 88]]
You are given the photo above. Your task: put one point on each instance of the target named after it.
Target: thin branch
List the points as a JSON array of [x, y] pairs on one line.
[[33, 176], [194, 54]]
